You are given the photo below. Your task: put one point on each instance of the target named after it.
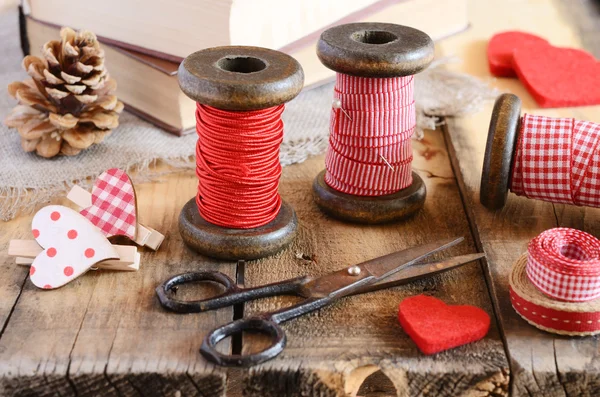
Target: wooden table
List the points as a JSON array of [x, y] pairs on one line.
[[106, 334]]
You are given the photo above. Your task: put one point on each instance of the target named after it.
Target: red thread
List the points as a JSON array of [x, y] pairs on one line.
[[564, 264], [237, 164], [370, 151], [557, 160]]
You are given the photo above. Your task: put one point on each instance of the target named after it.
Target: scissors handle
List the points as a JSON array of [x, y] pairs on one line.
[[231, 296], [261, 324]]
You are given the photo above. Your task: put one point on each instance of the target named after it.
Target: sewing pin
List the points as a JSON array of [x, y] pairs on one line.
[[337, 104], [387, 162]]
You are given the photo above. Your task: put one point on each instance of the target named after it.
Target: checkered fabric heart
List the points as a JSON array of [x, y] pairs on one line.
[[113, 208], [557, 160], [564, 264]]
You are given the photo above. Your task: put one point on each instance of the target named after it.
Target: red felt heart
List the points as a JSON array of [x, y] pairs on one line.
[[558, 77], [435, 326], [501, 47]]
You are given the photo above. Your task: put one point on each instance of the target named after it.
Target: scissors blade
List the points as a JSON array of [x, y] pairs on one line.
[[343, 282], [418, 271], [385, 266]]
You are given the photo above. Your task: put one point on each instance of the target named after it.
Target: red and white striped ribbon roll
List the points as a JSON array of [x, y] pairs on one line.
[[548, 314], [370, 151], [564, 264], [557, 160]]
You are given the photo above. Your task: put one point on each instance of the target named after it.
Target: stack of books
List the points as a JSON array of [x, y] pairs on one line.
[[145, 41]]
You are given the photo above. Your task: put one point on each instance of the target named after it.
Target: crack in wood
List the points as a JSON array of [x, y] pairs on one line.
[[12, 309], [558, 375]]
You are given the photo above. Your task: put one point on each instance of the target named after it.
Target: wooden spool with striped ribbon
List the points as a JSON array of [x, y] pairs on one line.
[[368, 176]]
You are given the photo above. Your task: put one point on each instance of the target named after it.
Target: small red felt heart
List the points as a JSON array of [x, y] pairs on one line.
[[558, 77], [435, 326], [501, 47]]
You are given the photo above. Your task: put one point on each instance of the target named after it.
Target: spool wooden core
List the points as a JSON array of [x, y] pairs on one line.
[[238, 78], [499, 151], [374, 50]]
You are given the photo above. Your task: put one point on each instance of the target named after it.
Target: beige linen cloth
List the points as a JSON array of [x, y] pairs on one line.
[[26, 180]]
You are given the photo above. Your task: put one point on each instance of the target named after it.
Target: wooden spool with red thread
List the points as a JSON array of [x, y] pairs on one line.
[[239, 79]]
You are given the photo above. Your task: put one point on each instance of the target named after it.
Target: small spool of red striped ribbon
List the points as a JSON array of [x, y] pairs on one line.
[[539, 157], [371, 128], [548, 314], [368, 176], [240, 92], [564, 264]]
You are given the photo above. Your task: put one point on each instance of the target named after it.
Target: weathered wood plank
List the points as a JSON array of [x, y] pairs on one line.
[[541, 364], [332, 351], [105, 333]]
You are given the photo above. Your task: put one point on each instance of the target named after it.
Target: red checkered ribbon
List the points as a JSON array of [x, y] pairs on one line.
[[113, 208], [564, 264], [557, 160], [544, 312], [370, 150]]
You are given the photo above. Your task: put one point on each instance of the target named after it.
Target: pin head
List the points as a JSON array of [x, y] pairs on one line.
[[354, 270]]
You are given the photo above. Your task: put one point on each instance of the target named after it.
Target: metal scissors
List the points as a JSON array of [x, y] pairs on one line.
[[387, 271]]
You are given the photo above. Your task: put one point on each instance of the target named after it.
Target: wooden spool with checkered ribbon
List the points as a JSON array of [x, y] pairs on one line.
[[544, 158]]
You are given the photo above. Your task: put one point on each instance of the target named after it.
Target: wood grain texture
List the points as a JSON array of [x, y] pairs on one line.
[[105, 333], [331, 351], [542, 364]]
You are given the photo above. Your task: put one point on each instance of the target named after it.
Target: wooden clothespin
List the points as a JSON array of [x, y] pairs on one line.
[[26, 250], [66, 246], [115, 213]]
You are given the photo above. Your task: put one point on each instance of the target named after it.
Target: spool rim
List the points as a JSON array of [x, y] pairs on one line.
[[370, 210], [369, 49], [240, 78], [499, 151], [236, 244]]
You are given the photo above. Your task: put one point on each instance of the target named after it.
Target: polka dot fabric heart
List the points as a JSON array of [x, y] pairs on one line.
[[564, 264], [113, 208], [72, 246]]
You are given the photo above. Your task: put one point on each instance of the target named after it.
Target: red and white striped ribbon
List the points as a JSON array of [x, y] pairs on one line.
[[564, 264], [558, 160], [370, 151], [548, 314]]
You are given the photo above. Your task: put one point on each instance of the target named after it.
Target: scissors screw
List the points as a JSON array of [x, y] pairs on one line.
[[354, 270]]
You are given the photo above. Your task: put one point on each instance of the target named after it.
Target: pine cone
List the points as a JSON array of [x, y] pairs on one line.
[[68, 104]]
